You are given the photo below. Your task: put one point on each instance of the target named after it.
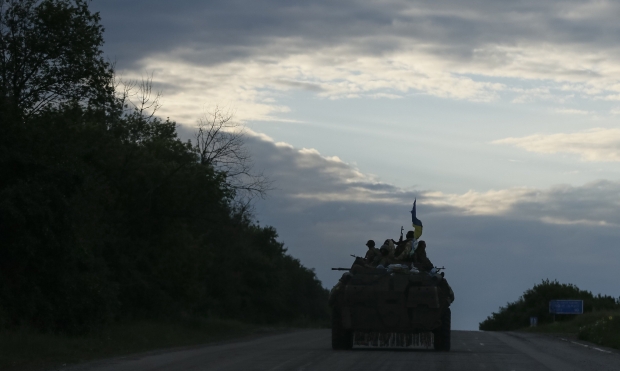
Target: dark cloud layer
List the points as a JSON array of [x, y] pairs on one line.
[[489, 259], [225, 30]]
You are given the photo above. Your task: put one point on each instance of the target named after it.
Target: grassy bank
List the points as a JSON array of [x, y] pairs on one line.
[[30, 350], [602, 328]]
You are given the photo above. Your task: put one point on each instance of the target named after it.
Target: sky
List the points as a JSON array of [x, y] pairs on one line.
[[499, 117]]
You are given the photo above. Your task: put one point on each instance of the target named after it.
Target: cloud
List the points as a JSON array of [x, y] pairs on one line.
[[320, 178], [306, 178], [230, 29], [572, 111], [574, 222], [594, 145], [494, 244], [248, 53], [254, 86]]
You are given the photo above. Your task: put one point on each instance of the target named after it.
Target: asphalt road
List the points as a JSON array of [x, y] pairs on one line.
[[311, 350]]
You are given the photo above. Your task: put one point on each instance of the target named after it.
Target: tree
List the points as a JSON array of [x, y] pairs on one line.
[[219, 143], [535, 302], [50, 54], [105, 213]]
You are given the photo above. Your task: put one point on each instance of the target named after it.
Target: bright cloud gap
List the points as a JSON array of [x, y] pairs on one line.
[[594, 145], [325, 179]]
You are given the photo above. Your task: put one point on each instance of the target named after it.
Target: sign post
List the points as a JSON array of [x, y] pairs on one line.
[[565, 307]]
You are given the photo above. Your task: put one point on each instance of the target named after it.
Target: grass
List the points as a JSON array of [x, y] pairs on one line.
[[602, 328], [30, 350]]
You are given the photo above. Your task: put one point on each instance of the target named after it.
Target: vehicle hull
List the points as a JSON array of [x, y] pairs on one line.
[[368, 301]]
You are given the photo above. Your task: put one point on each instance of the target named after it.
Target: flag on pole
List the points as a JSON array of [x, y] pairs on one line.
[[417, 224]]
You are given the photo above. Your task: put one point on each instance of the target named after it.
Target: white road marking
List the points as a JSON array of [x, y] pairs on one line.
[[586, 346]]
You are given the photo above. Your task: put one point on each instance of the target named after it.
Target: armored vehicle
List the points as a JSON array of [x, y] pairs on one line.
[[397, 306]]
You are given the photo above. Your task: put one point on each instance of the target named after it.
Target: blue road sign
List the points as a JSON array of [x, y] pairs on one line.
[[566, 306]]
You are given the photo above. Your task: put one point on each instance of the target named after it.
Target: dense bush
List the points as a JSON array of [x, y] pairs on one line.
[[105, 214], [535, 303], [605, 331]]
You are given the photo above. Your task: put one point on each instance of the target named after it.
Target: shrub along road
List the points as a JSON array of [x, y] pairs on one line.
[[310, 350]]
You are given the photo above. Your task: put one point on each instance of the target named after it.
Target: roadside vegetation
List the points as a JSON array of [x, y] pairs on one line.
[[601, 327], [600, 323], [108, 220], [24, 349]]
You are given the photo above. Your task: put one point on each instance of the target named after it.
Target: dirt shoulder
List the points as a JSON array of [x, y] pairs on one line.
[[25, 350]]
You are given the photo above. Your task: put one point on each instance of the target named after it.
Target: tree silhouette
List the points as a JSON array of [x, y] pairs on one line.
[[50, 54], [219, 143]]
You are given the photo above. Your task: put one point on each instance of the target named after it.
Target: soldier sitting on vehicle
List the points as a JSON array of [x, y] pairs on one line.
[[370, 260], [404, 248], [372, 252], [384, 258], [419, 258], [389, 246]]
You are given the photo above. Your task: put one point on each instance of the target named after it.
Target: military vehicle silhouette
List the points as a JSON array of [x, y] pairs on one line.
[[397, 306]]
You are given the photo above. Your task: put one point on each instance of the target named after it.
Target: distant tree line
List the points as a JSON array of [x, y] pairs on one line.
[[535, 303], [105, 214]]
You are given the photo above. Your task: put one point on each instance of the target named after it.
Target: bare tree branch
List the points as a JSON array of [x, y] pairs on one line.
[[138, 96], [220, 143]]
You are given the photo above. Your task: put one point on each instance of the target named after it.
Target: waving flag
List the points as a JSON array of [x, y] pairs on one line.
[[417, 224]]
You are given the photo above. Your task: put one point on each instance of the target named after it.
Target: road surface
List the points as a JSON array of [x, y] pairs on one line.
[[311, 350]]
